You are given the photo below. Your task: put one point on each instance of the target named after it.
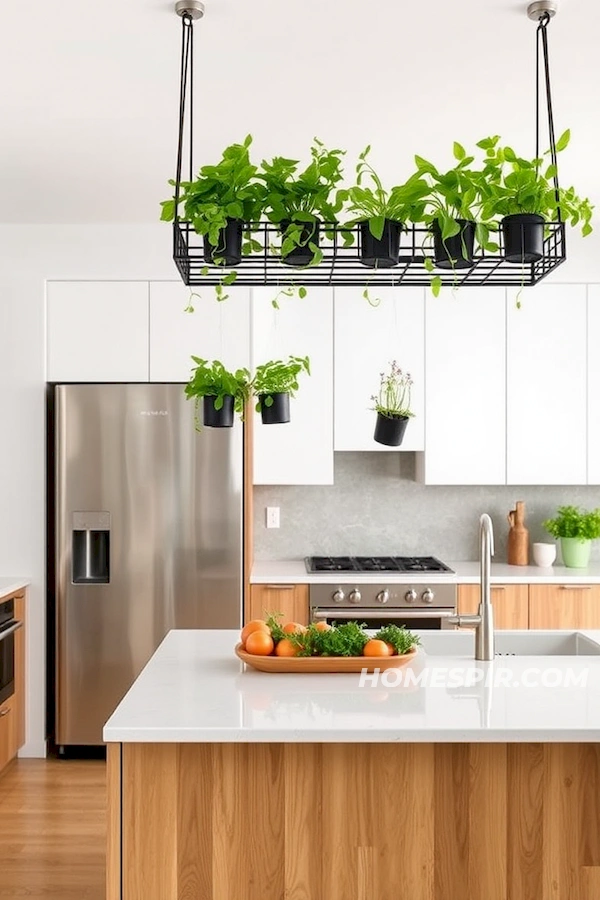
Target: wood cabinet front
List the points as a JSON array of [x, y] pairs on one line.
[[8, 731], [564, 606], [509, 600], [12, 711], [289, 599]]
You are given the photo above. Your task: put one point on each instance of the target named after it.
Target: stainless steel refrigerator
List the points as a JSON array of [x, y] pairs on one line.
[[148, 537]]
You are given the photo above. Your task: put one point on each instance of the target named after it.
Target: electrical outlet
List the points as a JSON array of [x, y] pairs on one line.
[[272, 517]]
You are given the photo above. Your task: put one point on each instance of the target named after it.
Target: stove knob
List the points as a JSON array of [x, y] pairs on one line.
[[383, 596], [427, 596], [338, 597], [410, 596], [354, 597]]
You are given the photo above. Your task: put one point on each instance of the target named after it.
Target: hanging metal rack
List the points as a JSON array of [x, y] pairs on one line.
[[341, 264]]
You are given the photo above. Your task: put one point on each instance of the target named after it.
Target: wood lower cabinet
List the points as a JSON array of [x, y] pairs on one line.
[[564, 606], [511, 610], [12, 711], [289, 599]]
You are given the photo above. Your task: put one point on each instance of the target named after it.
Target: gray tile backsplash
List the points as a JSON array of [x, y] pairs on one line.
[[376, 507]]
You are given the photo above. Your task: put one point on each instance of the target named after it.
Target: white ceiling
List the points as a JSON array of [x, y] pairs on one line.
[[89, 100]]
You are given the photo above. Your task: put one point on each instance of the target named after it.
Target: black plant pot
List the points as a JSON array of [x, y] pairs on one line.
[[523, 237], [228, 251], [218, 418], [389, 430], [455, 252], [382, 253], [302, 255], [278, 413]]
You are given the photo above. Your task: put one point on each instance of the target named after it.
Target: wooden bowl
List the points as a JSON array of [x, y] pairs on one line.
[[320, 664]]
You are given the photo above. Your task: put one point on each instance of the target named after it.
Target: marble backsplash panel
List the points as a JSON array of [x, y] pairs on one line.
[[376, 507]]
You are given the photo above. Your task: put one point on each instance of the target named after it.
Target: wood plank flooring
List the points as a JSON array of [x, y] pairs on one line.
[[53, 830]]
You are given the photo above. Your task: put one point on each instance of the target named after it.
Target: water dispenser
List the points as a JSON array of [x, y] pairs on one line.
[[91, 548]]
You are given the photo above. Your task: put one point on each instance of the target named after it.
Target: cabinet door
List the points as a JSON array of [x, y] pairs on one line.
[[301, 451], [214, 330], [564, 606], [8, 731], [510, 601], [20, 670], [97, 331], [465, 430], [547, 385], [367, 339], [593, 394], [289, 599]]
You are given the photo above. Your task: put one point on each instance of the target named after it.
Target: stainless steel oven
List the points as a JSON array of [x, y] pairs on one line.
[[8, 626], [418, 606]]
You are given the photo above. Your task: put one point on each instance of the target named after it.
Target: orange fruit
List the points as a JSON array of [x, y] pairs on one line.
[[391, 649], [323, 626], [293, 628], [260, 643], [251, 627], [285, 648], [376, 648]]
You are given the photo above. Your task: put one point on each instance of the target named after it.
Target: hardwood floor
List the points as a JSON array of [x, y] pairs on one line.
[[52, 830]]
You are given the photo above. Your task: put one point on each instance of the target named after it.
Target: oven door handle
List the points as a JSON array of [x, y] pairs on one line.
[[14, 626], [320, 613]]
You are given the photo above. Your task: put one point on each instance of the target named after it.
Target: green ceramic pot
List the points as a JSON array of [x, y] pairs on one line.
[[575, 553]]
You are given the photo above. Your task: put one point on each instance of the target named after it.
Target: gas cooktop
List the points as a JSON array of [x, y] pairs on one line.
[[375, 564]]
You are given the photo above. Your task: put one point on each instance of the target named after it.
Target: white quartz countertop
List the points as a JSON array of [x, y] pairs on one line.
[[9, 584], [195, 690], [293, 571]]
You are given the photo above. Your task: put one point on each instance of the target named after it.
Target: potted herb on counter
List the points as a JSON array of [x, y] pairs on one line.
[[299, 203], [382, 215], [392, 405], [224, 393], [274, 383], [576, 528]]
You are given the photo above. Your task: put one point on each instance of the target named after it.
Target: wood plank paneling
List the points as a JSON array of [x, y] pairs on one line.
[[113, 821], [362, 822]]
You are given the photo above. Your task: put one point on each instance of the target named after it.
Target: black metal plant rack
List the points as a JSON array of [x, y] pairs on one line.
[[341, 265]]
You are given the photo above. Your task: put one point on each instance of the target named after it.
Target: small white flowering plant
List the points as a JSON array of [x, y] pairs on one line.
[[393, 400]]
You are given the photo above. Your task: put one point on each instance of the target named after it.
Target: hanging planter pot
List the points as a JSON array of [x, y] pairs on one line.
[[308, 233], [389, 430], [523, 237], [454, 252], [228, 250], [383, 252], [274, 408], [218, 418]]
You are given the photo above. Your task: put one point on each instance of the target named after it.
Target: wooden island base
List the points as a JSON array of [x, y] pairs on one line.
[[354, 822]]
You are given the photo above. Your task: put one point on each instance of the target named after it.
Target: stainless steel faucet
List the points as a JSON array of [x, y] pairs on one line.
[[484, 620]]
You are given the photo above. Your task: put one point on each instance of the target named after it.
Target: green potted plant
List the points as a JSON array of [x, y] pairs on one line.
[[274, 383], [224, 393], [576, 528], [380, 214], [299, 202], [219, 201], [392, 406], [524, 196]]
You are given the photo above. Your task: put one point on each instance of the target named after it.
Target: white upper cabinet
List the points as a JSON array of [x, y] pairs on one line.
[[465, 387], [97, 331], [547, 386], [367, 339], [593, 393], [214, 330], [301, 451]]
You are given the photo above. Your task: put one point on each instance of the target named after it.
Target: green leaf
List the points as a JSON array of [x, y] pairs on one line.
[[302, 292], [459, 151], [436, 286], [563, 140], [428, 263], [229, 278], [376, 226]]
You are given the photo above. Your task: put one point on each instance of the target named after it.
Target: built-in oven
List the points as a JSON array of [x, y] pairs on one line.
[[8, 626], [417, 606]]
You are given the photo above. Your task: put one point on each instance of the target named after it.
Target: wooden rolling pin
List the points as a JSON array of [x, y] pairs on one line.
[[518, 537]]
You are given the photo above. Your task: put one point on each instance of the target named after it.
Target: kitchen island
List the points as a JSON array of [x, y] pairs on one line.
[[226, 784]]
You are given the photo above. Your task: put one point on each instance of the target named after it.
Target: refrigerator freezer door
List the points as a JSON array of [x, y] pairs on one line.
[[170, 506]]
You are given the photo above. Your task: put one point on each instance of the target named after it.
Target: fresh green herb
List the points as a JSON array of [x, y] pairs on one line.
[[278, 377], [394, 393], [347, 639], [277, 632], [401, 640], [212, 379], [574, 522]]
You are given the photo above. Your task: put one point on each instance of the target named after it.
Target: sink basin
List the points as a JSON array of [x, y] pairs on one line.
[[511, 643]]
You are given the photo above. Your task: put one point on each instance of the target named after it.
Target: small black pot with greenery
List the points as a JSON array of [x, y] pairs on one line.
[[392, 405], [299, 203], [223, 393], [382, 215], [274, 383]]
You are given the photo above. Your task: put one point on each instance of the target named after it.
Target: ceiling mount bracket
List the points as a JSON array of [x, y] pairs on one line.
[[192, 8], [540, 8]]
